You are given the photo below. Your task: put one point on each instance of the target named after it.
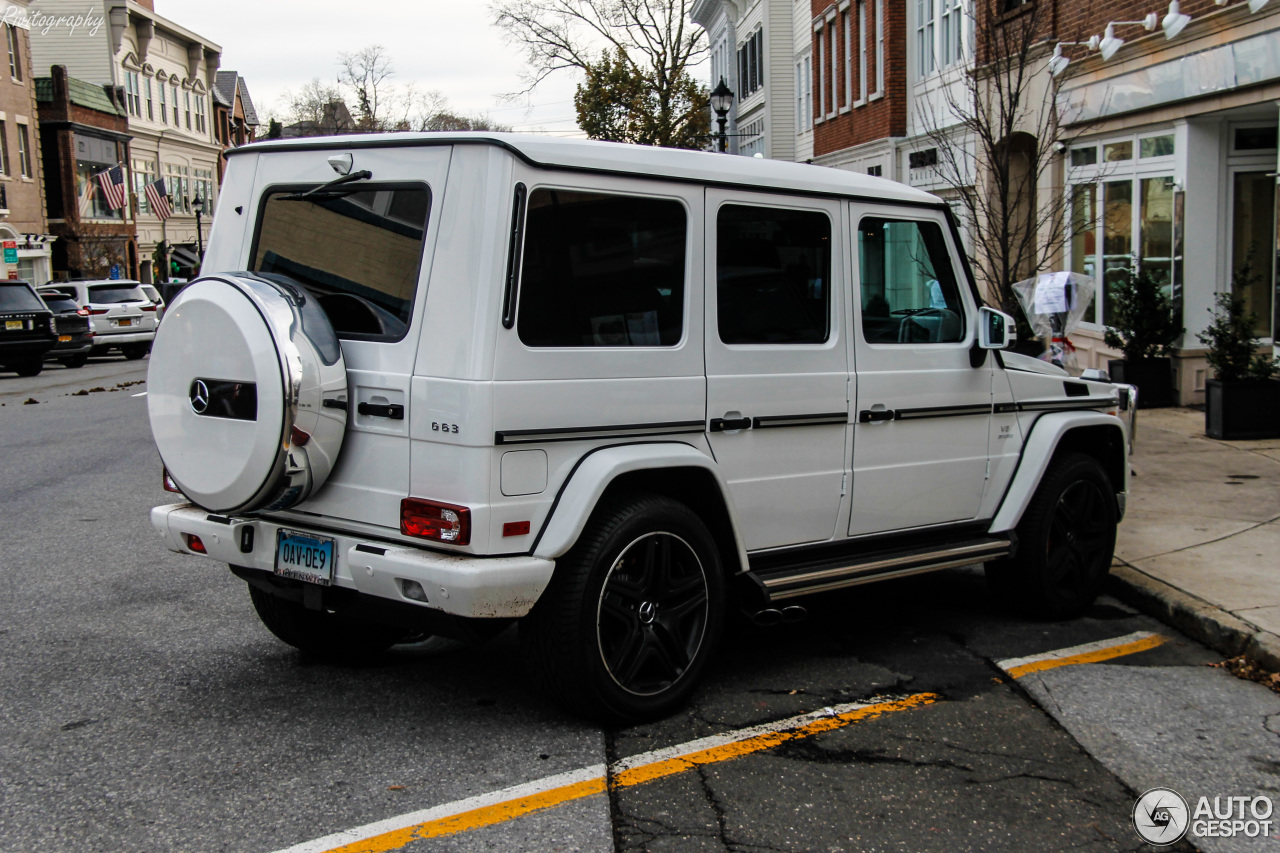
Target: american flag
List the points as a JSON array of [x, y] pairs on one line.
[[158, 197], [111, 181]]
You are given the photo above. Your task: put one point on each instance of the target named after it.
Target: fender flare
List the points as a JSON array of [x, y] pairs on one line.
[[594, 473], [1046, 434]]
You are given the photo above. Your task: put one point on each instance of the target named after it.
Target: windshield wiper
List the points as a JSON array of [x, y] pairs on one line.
[[363, 174]]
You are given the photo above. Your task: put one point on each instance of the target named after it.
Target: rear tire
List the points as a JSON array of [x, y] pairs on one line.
[[74, 361], [1066, 540], [322, 634], [133, 352], [29, 367], [632, 615]]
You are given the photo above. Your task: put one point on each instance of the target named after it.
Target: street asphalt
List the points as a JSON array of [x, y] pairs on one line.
[[145, 708]]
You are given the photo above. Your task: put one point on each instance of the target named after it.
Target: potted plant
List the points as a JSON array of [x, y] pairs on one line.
[[1144, 329], [1243, 399]]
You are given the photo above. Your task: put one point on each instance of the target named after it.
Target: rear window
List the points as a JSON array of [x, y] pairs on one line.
[[358, 252], [59, 302], [151, 292], [18, 297], [114, 294], [602, 271]]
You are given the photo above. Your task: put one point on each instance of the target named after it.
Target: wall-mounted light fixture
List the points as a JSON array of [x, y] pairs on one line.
[[1110, 42], [1058, 62], [1175, 21]]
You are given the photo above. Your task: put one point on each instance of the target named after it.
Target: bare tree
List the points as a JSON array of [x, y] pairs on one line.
[[367, 73], [1006, 106], [95, 249], [654, 40], [313, 105]]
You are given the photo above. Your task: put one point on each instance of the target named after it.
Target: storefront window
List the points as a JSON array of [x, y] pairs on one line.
[[1084, 156], [1114, 152], [1084, 229], [1253, 236], [1156, 228], [92, 205], [1156, 146], [1117, 238]]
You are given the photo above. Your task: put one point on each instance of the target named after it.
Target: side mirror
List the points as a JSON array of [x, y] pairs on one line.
[[996, 330]]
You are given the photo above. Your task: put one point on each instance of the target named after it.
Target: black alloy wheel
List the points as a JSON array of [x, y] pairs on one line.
[[1066, 540], [653, 613], [632, 615]]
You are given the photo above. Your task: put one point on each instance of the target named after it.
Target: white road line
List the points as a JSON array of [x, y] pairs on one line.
[[1076, 651], [347, 836], [584, 774], [143, 394]]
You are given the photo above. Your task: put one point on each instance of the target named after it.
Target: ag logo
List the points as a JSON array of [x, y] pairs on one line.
[[199, 396], [1161, 816]]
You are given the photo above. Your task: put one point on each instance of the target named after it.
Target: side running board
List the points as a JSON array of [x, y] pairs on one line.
[[785, 582]]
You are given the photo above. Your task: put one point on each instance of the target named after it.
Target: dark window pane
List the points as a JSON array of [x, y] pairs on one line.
[[18, 297], [602, 271], [909, 290], [773, 275], [114, 294], [357, 252]]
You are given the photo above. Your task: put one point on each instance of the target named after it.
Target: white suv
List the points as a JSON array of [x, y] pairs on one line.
[[611, 392], [121, 314]]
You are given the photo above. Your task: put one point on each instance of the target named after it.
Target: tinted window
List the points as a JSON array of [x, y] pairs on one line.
[[773, 274], [18, 297], [58, 302], [909, 289], [602, 271], [112, 294], [357, 252]]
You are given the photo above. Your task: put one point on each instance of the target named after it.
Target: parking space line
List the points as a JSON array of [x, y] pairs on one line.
[[1129, 644], [143, 394], [508, 803]]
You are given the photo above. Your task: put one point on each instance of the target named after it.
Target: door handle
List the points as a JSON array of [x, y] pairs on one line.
[[335, 404], [394, 411], [870, 416], [721, 424]]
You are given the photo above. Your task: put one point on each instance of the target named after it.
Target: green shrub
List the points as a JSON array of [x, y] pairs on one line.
[[1143, 317]]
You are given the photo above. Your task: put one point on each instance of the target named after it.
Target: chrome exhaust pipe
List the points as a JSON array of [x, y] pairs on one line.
[[793, 614]]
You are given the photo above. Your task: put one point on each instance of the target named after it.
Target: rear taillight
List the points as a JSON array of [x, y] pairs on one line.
[[436, 521], [148, 307], [53, 325], [169, 484], [194, 543], [83, 312], [96, 311]]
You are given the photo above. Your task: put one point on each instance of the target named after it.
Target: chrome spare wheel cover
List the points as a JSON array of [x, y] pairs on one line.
[[246, 391], [652, 616]]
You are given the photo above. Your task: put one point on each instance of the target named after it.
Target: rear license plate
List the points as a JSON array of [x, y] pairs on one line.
[[304, 557], [62, 339], [13, 325], [125, 322]]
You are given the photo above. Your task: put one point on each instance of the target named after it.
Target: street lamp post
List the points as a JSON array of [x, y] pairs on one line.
[[721, 101], [198, 207]]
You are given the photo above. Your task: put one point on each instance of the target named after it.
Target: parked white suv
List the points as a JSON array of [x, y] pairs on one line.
[[122, 315], [611, 392]]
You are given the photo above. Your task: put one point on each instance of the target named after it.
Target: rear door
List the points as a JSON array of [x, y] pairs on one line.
[[777, 368], [360, 251], [923, 412]]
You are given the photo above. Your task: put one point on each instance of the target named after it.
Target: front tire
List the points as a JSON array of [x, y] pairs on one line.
[[322, 634], [632, 615], [1066, 540]]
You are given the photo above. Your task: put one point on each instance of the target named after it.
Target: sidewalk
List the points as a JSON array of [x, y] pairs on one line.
[[1200, 544]]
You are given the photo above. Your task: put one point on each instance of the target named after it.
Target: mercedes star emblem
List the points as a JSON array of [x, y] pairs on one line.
[[199, 396]]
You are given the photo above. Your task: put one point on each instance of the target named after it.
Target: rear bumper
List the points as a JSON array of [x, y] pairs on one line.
[[75, 346], [115, 339], [472, 587], [24, 349]]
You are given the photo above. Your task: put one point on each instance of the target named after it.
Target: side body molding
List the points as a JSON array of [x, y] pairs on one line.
[[1046, 433], [587, 484]]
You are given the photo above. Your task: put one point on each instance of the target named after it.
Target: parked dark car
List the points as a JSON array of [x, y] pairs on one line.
[[27, 328], [75, 333]]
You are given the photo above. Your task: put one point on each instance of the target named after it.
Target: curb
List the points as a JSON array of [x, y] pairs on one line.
[[1195, 617]]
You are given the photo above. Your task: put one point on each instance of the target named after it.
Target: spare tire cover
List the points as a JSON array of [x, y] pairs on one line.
[[247, 391]]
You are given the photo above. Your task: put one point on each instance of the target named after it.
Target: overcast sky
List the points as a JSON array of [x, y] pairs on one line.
[[447, 45]]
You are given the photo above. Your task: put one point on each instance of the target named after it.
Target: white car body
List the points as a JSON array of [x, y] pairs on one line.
[[115, 323]]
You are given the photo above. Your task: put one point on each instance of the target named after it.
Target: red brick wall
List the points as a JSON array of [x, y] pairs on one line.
[[876, 119]]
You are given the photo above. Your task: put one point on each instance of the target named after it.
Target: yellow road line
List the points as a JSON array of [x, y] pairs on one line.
[[500, 806], [1129, 644]]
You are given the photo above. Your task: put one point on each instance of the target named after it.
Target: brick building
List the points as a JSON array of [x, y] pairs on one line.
[[235, 121], [166, 73], [22, 192], [84, 130]]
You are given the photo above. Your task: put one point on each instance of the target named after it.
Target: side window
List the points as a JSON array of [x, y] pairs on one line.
[[773, 275], [602, 270], [909, 289]]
